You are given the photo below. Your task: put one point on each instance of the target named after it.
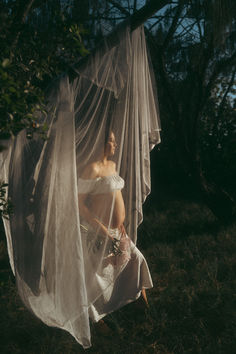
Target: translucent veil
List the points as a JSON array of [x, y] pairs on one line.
[[65, 269]]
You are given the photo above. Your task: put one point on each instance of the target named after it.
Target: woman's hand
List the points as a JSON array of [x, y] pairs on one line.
[[103, 229], [122, 230]]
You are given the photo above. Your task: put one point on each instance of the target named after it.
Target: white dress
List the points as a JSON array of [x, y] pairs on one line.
[[113, 279]]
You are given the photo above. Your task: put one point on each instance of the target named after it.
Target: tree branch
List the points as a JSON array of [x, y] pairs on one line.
[[164, 82], [140, 16], [219, 67], [173, 26], [222, 103], [135, 20], [119, 7], [186, 30]]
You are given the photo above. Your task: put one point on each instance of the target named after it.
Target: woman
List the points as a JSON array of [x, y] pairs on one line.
[[117, 272]]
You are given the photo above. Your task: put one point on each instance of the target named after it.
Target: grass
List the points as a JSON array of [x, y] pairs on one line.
[[192, 304]]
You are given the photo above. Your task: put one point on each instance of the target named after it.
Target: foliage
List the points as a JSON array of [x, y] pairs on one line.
[[38, 41], [6, 207], [33, 51]]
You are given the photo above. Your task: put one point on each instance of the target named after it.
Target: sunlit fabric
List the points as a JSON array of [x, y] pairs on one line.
[[68, 271]]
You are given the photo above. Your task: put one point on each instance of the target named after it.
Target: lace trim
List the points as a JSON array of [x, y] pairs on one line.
[[100, 185]]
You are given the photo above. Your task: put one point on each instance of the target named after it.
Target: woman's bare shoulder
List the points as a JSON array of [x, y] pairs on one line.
[[90, 171], [93, 171]]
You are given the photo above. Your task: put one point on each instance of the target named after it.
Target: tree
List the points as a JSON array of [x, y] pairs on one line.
[[28, 62], [38, 40], [194, 56]]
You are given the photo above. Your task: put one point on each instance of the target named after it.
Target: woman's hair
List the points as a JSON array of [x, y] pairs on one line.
[[108, 131]]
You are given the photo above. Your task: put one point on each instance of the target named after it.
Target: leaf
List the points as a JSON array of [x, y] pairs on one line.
[[12, 89], [6, 62]]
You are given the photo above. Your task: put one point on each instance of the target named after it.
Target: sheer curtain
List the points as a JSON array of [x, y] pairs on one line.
[[53, 252]]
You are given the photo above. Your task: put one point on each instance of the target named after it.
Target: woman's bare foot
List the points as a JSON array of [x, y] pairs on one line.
[[142, 303], [144, 295]]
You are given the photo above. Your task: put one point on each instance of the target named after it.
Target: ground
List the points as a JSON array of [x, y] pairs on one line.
[[191, 258]]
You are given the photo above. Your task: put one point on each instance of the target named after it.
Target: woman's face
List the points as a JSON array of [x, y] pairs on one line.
[[111, 145]]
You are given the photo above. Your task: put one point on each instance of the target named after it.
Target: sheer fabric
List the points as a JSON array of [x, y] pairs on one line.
[[94, 169]]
